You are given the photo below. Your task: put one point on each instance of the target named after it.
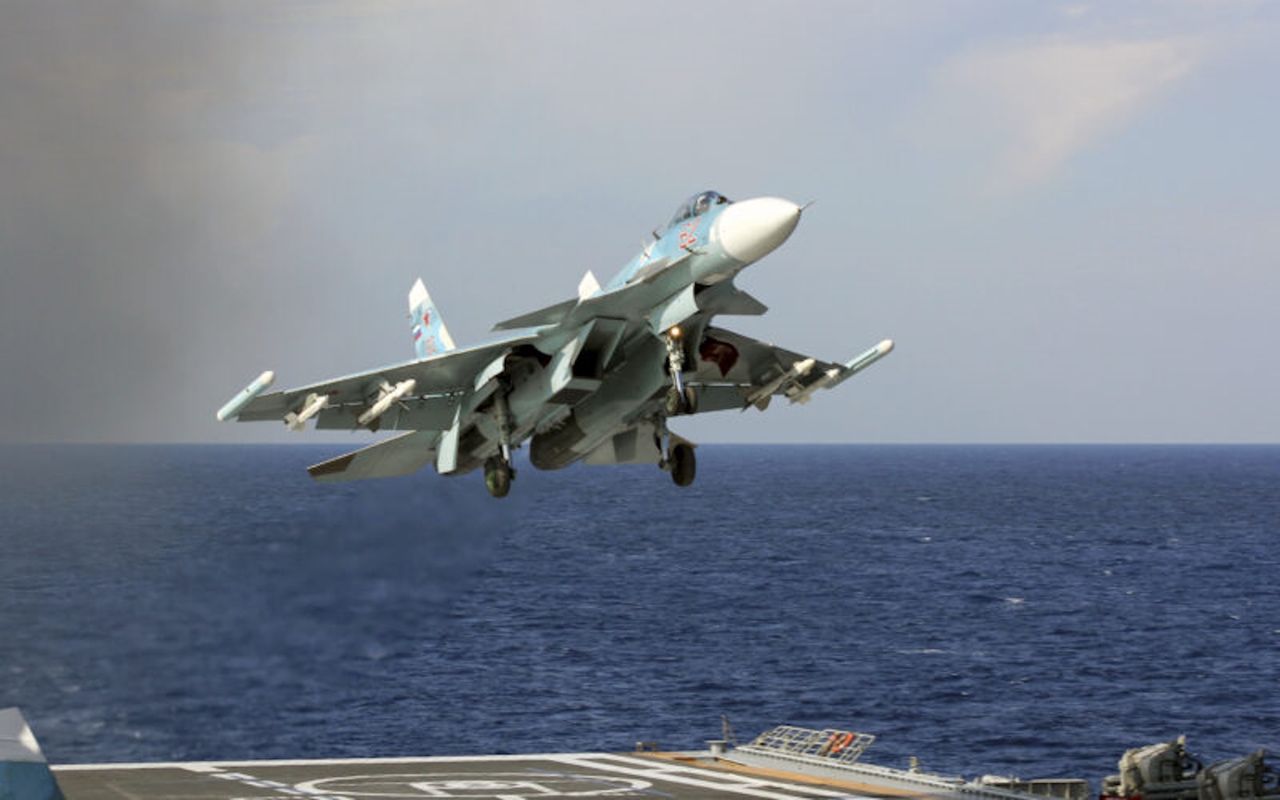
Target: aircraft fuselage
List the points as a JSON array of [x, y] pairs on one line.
[[592, 378]]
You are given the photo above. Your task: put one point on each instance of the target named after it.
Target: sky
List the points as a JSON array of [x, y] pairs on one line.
[[1065, 214]]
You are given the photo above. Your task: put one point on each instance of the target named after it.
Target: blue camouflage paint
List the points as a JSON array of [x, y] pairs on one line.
[[681, 235], [427, 340]]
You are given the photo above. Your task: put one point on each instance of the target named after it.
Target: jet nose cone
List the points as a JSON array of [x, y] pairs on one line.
[[751, 229]]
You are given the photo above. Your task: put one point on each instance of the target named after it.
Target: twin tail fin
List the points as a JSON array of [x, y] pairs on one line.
[[430, 336]]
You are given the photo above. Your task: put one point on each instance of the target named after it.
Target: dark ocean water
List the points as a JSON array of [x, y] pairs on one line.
[[1028, 610]]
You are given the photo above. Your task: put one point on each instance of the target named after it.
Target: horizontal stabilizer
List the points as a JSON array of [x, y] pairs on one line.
[[403, 455], [24, 774]]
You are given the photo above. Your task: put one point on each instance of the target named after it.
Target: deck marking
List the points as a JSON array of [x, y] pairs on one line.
[[750, 786], [276, 786], [474, 786], [731, 778], [310, 762], [421, 780]]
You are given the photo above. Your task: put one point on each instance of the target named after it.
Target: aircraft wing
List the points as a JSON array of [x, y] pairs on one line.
[[439, 381], [736, 371]]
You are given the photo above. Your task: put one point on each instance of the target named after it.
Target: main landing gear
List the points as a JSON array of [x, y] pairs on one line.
[[498, 470], [498, 473]]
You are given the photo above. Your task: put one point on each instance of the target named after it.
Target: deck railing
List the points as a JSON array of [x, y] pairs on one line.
[[842, 747]]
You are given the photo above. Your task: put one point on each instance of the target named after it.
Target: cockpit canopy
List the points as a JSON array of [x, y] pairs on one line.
[[700, 203]]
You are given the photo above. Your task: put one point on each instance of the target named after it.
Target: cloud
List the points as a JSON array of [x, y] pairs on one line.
[[1047, 100]]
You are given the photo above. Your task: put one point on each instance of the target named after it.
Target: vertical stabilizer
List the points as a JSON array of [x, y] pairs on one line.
[[430, 336], [24, 775]]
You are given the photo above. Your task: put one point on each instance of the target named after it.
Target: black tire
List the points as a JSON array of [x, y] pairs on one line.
[[684, 464], [497, 478], [690, 400]]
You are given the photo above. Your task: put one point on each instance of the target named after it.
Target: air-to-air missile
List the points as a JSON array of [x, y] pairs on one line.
[[760, 397], [389, 395], [314, 404], [235, 404], [838, 375]]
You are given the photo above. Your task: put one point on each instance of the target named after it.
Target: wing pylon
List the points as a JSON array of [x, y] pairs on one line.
[[736, 371]]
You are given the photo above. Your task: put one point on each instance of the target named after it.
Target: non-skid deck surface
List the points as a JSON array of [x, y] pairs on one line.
[[537, 777]]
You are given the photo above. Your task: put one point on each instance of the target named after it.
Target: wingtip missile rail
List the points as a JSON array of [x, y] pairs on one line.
[[861, 362], [236, 404], [838, 375]]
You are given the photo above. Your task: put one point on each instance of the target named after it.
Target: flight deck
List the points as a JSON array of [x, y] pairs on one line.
[[783, 763], [524, 777], [786, 762]]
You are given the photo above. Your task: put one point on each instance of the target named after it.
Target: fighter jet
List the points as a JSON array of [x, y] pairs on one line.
[[596, 378]]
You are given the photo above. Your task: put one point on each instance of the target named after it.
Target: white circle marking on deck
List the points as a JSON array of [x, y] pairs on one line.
[[475, 786]]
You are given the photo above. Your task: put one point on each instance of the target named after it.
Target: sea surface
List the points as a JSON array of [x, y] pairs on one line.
[[1025, 610]]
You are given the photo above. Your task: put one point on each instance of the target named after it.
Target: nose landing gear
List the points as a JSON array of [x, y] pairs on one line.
[[683, 463], [679, 458], [680, 399]]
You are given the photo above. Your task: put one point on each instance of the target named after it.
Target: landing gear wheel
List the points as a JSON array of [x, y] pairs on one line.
[[497, 477], [683, 463]]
